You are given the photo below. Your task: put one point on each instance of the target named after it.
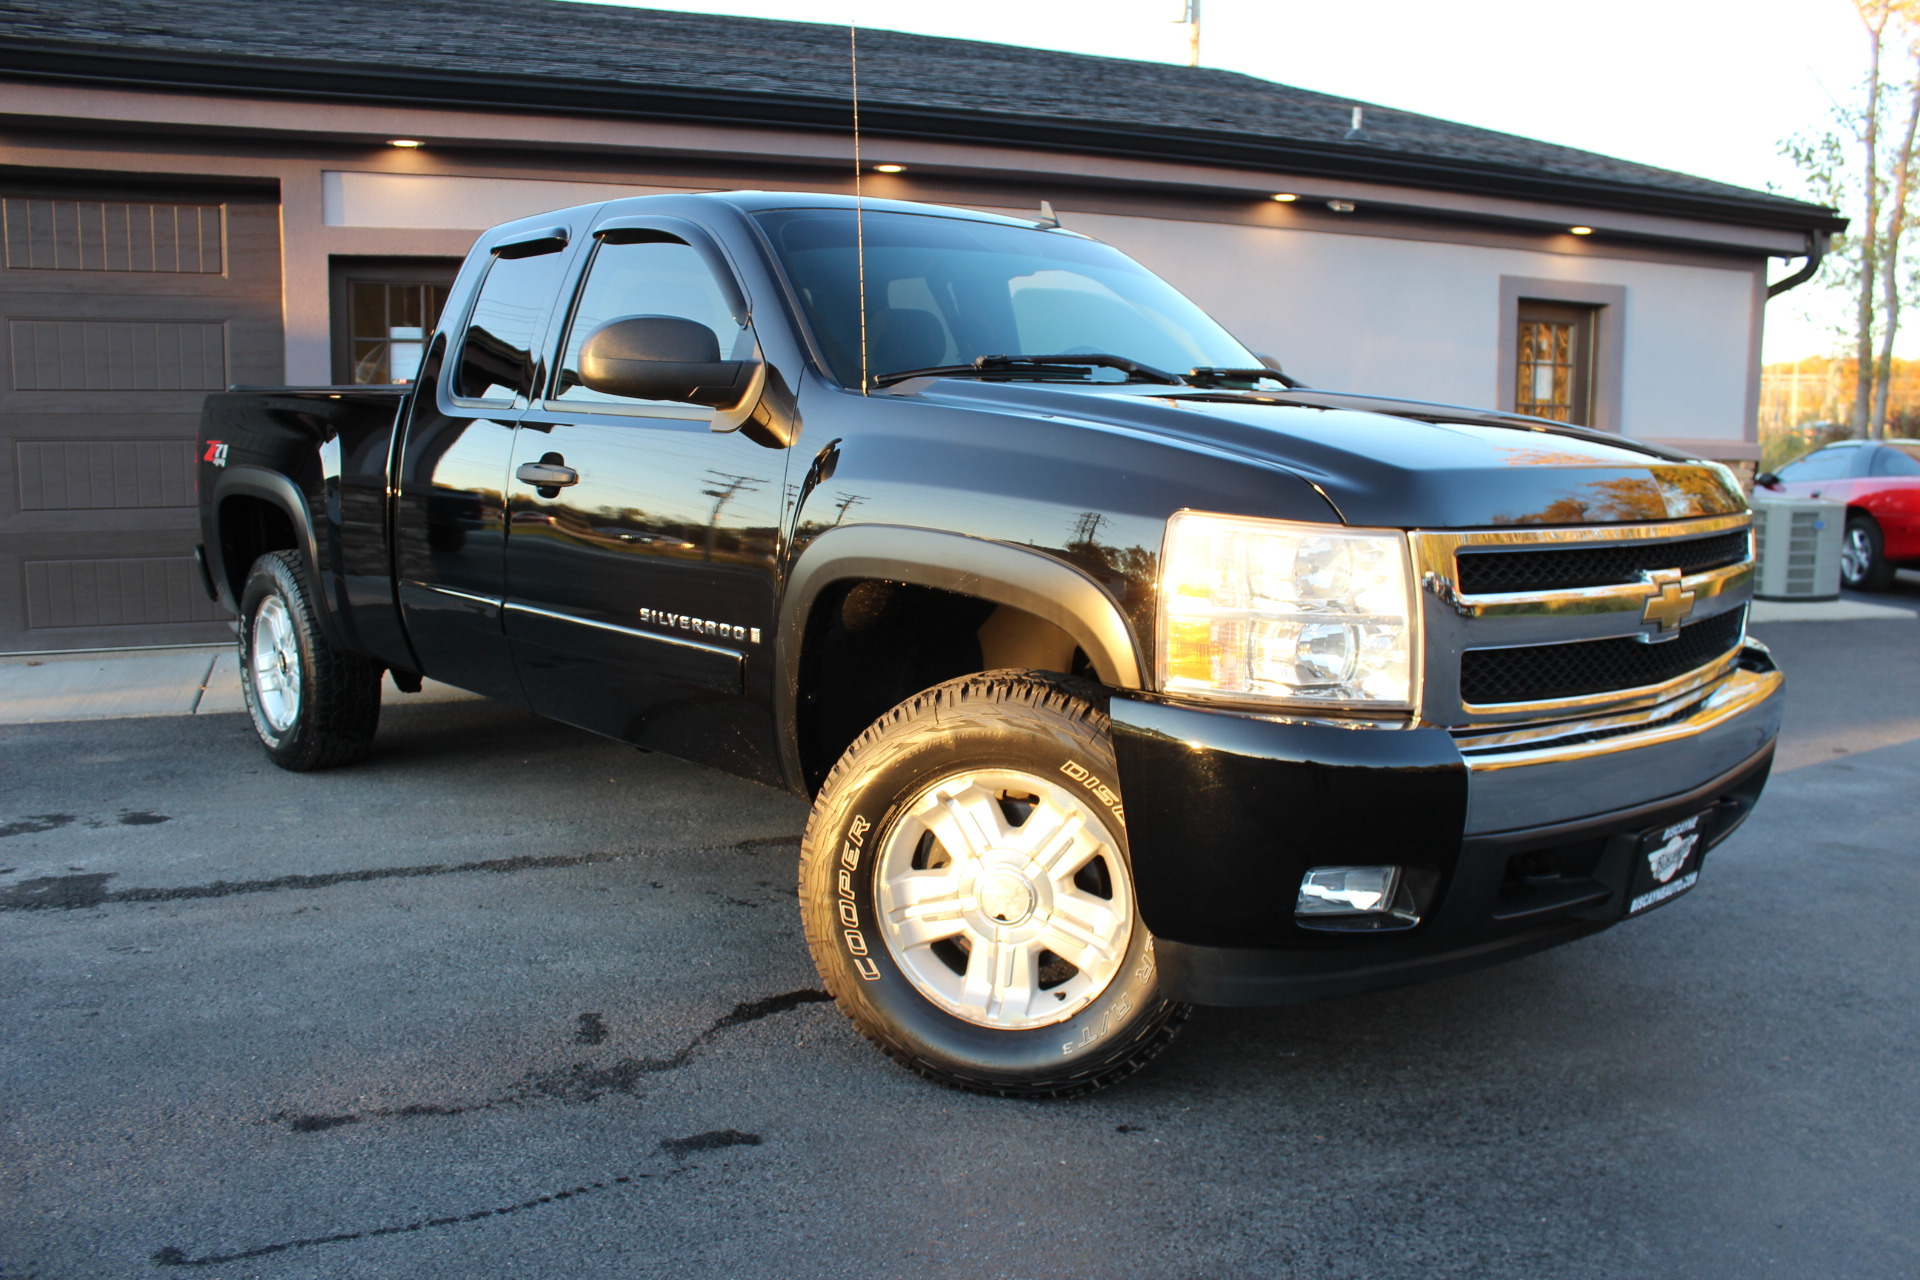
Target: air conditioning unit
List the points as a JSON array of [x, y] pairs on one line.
[[1797, 547]]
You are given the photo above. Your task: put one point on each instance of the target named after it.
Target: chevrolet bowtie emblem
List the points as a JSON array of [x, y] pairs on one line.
[[1669, 605]]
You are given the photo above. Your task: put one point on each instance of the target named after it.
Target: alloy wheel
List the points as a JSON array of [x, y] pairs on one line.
[[1856, 555], [1004, 899], [274, 657]]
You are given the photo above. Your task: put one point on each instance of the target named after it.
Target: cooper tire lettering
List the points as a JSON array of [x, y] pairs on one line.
[[847, 902], [1101, 791]]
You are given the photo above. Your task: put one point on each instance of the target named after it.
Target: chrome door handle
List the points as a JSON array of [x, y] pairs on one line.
[[545, 475]]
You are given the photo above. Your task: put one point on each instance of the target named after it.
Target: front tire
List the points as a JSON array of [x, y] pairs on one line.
[[1863, 556], [313, 706], [967, 896]]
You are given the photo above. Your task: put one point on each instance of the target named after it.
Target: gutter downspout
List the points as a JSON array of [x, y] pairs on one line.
[[1817, 242]]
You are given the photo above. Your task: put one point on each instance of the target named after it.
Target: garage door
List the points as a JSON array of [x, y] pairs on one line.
[[119, 310]]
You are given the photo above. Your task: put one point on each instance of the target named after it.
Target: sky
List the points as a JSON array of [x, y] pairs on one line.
[[1708, 87]]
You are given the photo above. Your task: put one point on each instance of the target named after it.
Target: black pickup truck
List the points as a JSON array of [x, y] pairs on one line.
[[1123, 671]]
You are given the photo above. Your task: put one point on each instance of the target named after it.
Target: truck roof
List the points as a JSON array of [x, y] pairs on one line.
[[760, 201]]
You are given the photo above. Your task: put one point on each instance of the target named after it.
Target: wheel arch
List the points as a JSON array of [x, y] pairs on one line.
[[256, 511], [1032, 582]]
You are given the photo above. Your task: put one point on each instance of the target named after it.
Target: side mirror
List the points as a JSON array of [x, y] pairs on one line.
[[1767, 480], [663, 358]]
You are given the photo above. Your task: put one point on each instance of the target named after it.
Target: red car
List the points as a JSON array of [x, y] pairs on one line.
[[1879, 480]]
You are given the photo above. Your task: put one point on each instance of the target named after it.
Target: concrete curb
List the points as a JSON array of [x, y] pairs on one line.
[[42, 688]]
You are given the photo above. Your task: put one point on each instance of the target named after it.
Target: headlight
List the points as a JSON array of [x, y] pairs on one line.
[[1265, 609]]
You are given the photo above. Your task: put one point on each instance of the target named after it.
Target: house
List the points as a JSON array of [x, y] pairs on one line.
[[204, 192]]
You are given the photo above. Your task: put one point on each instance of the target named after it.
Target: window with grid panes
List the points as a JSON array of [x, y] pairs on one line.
[[390, 327], [384, 311], [1553, 371]]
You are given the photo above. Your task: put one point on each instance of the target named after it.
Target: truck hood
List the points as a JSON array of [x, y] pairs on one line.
[[1393, 463]]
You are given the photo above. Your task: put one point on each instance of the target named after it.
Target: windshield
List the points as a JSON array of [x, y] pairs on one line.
[[945, 291]]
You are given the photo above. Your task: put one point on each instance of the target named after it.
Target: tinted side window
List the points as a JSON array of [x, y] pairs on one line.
[[654, 278], [1896, 461], [496, 356], [1827, 464]]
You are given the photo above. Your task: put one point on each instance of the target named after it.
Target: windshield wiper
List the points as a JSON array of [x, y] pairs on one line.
[[1213, 376], [1034, 366]]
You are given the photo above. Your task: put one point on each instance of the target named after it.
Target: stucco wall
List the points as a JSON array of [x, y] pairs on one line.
[[1419, 319], [353, 198], [1422, 319]]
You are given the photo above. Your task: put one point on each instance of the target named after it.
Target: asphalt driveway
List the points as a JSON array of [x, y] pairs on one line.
[[509, 1000]]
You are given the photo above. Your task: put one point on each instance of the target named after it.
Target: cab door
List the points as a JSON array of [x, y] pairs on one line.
[[450, 521], [640, 582]]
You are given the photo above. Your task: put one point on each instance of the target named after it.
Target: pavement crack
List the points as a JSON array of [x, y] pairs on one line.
[[141, 818], [584, 1082], [576, 1083], [16, 899], [754, 1010], [174, 1256], [36, 822], [314, 1124], [678, 1148], [45, 893], [755, 844], [712, 1140]]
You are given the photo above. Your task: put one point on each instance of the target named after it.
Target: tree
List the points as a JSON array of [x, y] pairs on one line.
[[1890, 263], [1873, 254], [1874, 15]]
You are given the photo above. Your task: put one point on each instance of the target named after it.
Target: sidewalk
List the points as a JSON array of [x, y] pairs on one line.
[[204, 680], [1845, 609]]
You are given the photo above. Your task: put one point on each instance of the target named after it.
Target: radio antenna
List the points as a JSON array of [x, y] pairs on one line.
[[859, 210]]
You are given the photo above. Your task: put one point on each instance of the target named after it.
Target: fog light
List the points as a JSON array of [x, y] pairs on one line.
[[1347, 891]]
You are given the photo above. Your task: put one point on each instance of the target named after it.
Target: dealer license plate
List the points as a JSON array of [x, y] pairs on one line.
[[1667, 864]]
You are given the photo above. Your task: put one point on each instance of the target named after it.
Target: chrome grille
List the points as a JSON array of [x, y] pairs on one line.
[[1488, 572], [1537, 672], [1531, 625]]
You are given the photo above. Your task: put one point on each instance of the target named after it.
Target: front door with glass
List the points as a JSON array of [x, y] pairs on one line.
[[641, 564]]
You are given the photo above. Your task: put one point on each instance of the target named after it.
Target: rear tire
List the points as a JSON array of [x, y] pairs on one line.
[[967, 897], [1863, 556], [313, 706]]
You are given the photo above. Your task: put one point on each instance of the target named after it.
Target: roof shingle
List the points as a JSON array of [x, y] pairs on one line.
[[729, 61]]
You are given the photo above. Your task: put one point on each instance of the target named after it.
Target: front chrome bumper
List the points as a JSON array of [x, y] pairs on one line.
[[1555, 773], [1525, 834]]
